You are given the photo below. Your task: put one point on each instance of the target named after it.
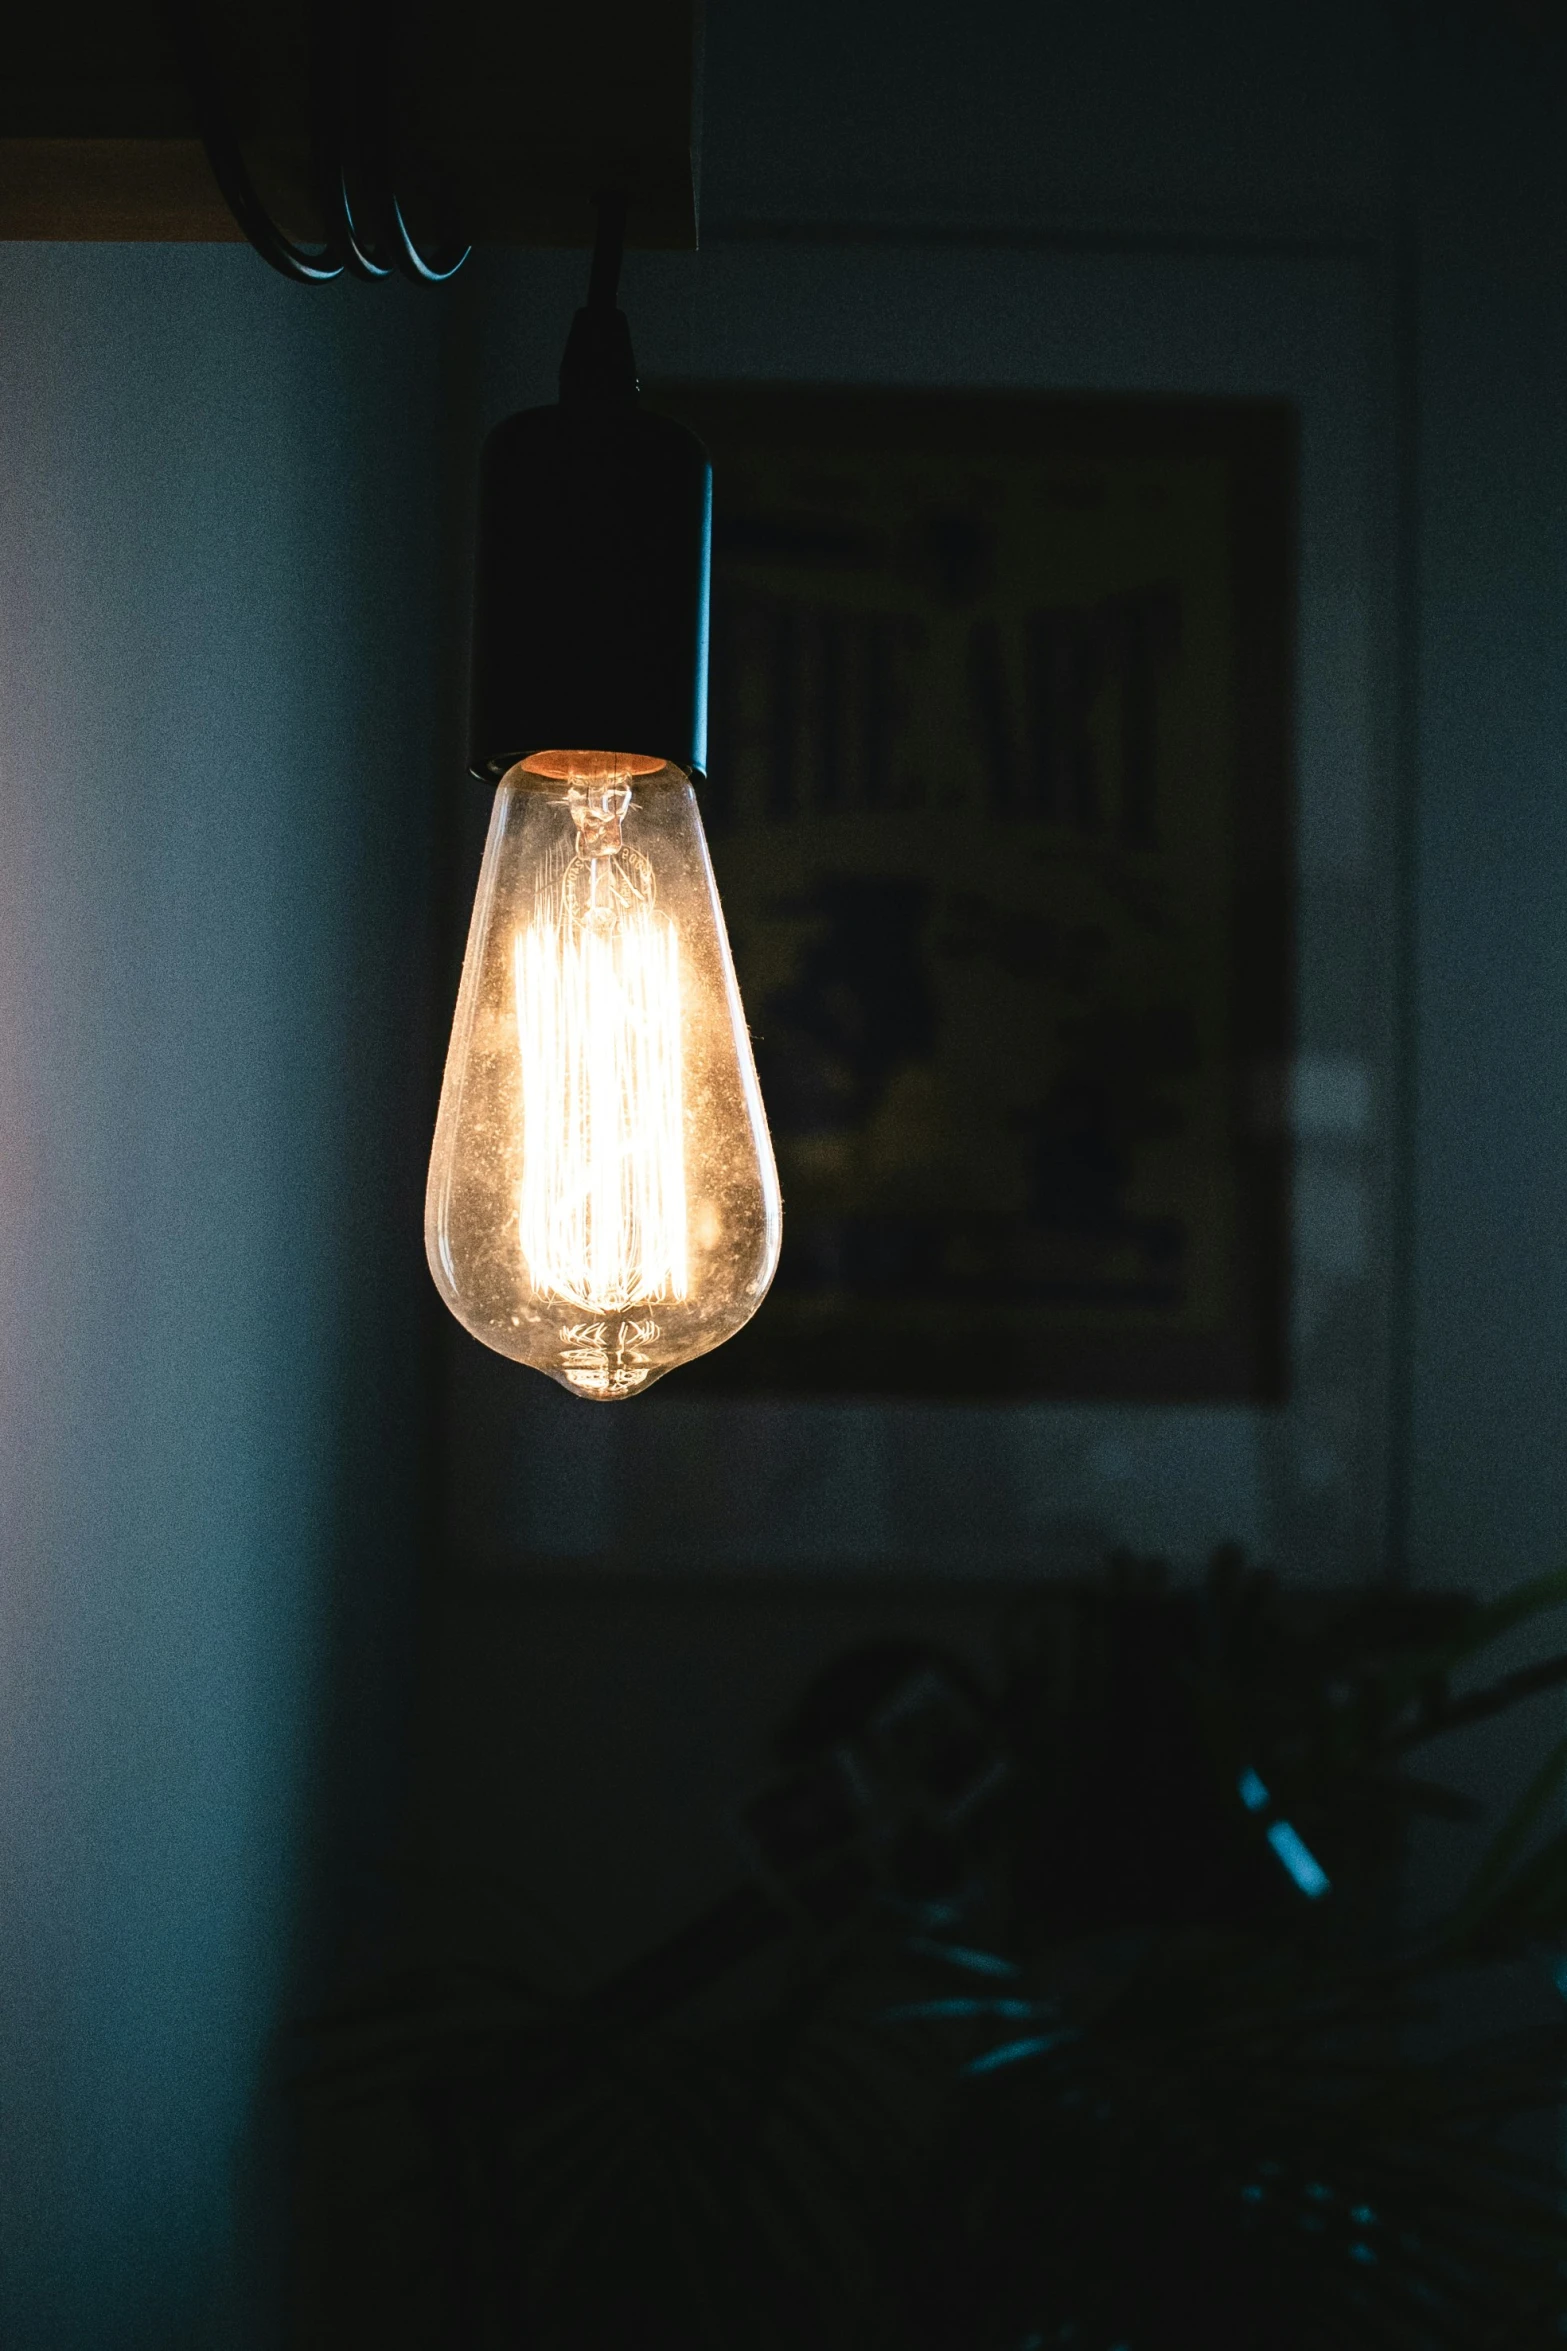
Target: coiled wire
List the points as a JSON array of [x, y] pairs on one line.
[[353, 164]]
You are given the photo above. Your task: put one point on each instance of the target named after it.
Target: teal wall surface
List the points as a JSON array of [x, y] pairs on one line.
[[220, 725], [1487, 1461]]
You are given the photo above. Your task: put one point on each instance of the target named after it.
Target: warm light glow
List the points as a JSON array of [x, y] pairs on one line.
[[602, 1212], [602, 1200]]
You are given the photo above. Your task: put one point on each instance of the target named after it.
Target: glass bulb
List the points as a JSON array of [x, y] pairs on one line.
[[602, 1202]]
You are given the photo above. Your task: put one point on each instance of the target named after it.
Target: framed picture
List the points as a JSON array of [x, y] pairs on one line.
[[999, 800]]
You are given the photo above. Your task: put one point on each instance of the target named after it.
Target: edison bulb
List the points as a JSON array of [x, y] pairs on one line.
[[603, 1203]]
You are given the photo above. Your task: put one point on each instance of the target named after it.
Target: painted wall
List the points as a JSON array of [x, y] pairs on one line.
[[1488, 1428], [220, 576]]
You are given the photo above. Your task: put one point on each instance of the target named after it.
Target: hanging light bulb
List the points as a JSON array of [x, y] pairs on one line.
[[602, 1200]]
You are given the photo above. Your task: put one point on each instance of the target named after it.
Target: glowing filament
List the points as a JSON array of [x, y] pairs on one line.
[[602, 1198]]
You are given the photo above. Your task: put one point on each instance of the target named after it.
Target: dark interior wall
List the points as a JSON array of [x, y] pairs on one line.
[[220, 582], [1004, 117], [1488, 1468]]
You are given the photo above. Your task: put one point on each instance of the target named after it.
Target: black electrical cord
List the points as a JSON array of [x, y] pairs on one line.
[[366, 231], [598, 364], [609, 247]]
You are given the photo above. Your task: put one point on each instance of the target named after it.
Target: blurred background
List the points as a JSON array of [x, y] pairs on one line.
[[301, 1593]]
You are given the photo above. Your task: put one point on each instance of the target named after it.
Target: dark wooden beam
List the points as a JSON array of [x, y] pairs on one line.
[[513, 115]]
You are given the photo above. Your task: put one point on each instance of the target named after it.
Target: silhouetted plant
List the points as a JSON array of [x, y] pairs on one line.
[[1080, 2011]]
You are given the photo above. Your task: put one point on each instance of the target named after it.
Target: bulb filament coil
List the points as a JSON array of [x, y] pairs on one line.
[[602, 1198]]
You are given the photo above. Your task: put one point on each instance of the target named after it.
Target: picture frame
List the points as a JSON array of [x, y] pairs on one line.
[[1000, 805]]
